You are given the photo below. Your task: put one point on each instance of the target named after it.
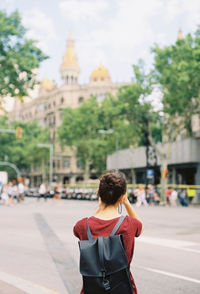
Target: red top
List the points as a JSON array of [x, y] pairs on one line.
[[129, 229]]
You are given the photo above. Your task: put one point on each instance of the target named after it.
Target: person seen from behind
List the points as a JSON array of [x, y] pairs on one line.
[[42, 193], [21, 190], [141, 197], [112, 192], [173, 197]]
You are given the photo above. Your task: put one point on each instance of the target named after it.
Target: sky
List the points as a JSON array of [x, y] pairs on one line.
[[116, 33]]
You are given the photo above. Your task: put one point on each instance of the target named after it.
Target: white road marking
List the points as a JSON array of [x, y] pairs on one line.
[[176, 244], [24, 285], [171, 274]]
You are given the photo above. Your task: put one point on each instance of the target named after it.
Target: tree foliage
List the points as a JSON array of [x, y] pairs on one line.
[[81, 126], [22, 152], [19, 56], [177, 72], [136, 108]]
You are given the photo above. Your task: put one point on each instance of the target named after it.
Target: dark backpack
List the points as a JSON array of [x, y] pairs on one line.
[[104, 264]]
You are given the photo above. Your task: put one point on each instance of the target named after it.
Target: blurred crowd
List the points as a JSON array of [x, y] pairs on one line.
[[15, 192], [151, 196]]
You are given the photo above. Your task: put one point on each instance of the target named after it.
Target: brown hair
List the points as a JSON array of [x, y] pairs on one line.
[[112, 186]]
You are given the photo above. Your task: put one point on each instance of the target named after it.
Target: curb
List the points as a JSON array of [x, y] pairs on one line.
[[26, 287]]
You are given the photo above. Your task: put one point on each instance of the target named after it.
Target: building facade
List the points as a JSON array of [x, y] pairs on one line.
[[183, 164], [47, 109]]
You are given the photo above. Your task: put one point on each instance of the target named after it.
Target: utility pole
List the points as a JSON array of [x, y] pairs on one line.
[[50, 147]]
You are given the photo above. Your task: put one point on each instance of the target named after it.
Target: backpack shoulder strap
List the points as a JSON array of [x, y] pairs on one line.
[[89, 234], [118, 224]]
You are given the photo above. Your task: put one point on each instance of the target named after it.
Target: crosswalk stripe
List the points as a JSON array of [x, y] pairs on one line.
[[171, 274]]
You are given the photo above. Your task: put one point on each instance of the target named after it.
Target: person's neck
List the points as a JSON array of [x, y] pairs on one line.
[[107, 211]]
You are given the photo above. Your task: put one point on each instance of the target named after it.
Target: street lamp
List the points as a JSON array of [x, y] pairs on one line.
[[50, 147]]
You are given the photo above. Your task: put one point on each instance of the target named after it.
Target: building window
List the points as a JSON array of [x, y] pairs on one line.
[[54, 103], [66, 162], [80, 164], [61, 114], [40, 107], [62, 100], [80, 99]]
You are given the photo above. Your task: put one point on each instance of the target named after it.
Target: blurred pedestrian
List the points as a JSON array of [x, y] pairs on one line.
[[183, 197], [21, 190], [56, 193], [4, 195], [15, 191], [173, 197], [10, 192], [157, 198], [151, 194], [168, 192], [42, 192], [141, 197]]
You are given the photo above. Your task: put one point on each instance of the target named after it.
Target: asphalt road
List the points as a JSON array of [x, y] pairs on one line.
[[38, 253]]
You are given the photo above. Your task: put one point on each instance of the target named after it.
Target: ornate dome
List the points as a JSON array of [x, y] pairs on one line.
[[70, 59], [47, 84], [69, 67], [100, 73], [180, 35]]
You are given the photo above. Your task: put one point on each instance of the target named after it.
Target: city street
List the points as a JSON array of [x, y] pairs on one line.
[[40, 255]]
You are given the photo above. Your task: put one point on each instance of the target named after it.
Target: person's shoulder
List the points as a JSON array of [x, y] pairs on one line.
[[134, 225], [80, 222], [132, 220], [79, 227]]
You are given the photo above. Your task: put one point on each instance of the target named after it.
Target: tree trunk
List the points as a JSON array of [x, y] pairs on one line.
[[163, 169], [86, 171], [133, 176]]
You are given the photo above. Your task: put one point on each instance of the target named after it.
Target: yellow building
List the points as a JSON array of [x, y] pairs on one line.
[[48, 106]]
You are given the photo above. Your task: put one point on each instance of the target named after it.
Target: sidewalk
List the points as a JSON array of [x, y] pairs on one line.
[[9, 289]]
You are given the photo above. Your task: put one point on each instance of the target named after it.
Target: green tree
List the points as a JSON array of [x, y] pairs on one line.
[[81, 129], [177, 73], [122, 134], [22, 152], [134, 103], [19, 57]]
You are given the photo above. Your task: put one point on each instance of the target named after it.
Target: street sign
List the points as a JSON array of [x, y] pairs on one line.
[[150, 173]]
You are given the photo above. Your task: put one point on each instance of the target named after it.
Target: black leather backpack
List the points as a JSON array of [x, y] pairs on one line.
[[104, 264]]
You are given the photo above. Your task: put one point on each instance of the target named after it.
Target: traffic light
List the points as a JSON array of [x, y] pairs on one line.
[[164, 173], [18, 132]]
